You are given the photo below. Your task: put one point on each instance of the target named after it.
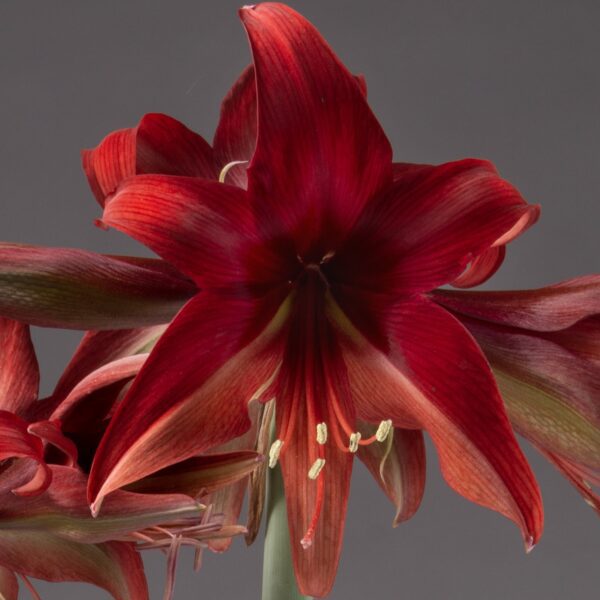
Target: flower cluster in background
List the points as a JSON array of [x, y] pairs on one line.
[[298, 315]]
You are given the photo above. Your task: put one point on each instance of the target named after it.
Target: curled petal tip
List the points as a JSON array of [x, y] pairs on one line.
[[529, 544], [95, 506]]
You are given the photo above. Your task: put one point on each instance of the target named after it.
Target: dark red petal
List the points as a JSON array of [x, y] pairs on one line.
[[316, 566], [77, 289], [108, 164], [206, 229], [424, 231], [549, 308], [433, 376], [19, 373], [9, 586], [235, 137], [166, 146], [320, 154], [398, 468], [193, 390], [159, 144]]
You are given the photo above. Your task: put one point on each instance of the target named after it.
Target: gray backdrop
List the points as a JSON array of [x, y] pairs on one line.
[[516, 82]]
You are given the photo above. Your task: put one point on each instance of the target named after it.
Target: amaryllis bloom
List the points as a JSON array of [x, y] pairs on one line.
[[544, 348], [314, 291], [46, 530]]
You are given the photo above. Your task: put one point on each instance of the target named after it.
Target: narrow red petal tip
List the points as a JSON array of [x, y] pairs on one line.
[[101, 224], [96, 505], [529, 544]]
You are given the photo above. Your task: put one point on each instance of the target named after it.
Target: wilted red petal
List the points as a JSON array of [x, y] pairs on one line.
[[398, 467], [583, 480], [200, 474], [96, 349], [9, 586], [62, 510], [206, 229], [189, 395], [449, 392], [320, 154], [121, 369], [19, 373], [159, 144], [114, 566], [229, 501], [549, 308], [77, 289], [428, 226], [50, 432], [16, 442], [235, 137]]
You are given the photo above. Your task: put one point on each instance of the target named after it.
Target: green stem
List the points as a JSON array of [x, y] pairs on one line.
[[279, 582]]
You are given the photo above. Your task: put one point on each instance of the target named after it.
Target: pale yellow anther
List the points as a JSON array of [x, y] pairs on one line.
[[316, 468], [227, 167], [383, 430], [274, 452], [354, 439], [321, 433]]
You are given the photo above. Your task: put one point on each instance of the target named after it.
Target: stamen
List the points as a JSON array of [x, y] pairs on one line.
[[322, 433], [227, 168], [274, 452], [316, 468], [306, 541], [383, 430], [354, 439]]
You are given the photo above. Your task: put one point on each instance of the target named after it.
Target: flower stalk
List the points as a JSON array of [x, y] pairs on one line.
[[278, 570]]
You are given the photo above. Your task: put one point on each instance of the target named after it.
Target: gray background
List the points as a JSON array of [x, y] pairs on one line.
[[516, 82]]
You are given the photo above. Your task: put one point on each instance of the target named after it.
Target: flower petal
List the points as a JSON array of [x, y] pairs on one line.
[[76, 289], [481, 268], [428, 226], [62, 510], [433, 376], [9, 586], [549, 308], [398, 468], [159, 144], [19, 373], [190, 395], [113, 566], [315, 566], [199, 475], [121, 369], [320, 154], [235, 137], [98, 348], [206, 229], [17, 442], [111, 162]]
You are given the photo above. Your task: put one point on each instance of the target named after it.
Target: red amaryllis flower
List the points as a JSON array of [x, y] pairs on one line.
[[46, 530], [544, 348], [314, 286]]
